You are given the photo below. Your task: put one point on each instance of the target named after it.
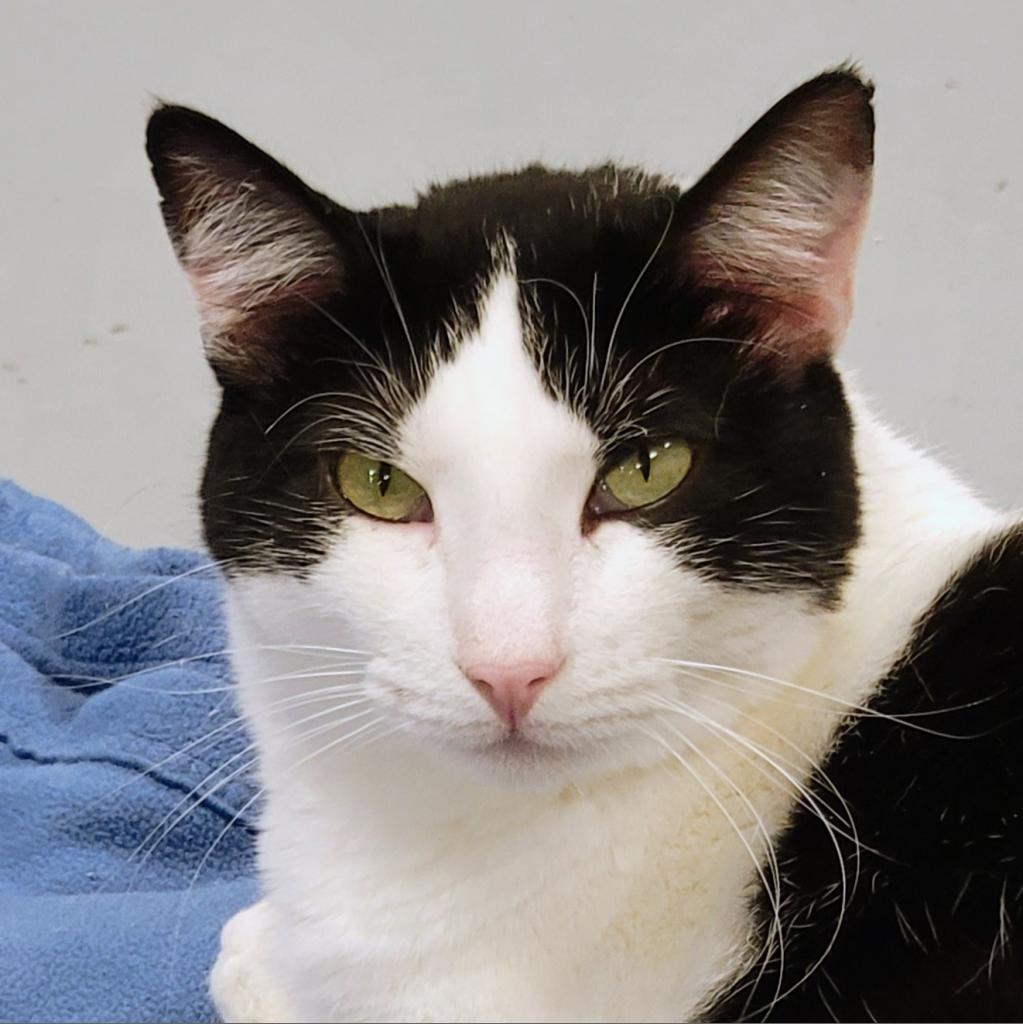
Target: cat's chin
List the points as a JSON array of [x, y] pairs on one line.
[[519, 762]]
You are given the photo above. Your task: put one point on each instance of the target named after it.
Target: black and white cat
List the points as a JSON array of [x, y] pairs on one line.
[[606, 658]]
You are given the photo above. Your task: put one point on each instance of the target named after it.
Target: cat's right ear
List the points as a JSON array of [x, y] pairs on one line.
[[253, 239]]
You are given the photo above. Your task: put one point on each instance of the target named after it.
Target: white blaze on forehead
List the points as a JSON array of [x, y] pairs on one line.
[[488, 433], [508, 469]]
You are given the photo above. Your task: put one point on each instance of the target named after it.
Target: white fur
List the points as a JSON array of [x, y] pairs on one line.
[[432, 875]]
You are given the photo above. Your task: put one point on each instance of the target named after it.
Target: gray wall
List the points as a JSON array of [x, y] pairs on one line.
[[104, 397]]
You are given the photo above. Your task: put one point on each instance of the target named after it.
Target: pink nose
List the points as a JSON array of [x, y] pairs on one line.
[[511, 690]]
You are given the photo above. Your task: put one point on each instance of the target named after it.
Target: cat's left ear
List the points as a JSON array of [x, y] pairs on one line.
[[252, 237], [773, 229]]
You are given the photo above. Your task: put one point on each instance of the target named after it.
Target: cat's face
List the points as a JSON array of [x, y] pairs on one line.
[[530, 442]]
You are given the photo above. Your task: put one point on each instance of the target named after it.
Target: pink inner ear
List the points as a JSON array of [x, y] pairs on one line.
[[246, 249], [836, 280], [227, 294], [814, 315], [241, 310], [789, 260], [250, 264]]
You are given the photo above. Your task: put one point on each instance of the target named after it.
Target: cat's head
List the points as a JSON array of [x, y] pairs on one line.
[[528, 442]]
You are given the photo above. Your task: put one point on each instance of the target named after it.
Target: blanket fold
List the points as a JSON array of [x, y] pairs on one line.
[[126, 799]]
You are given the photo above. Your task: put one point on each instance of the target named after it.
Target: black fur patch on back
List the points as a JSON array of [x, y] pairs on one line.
[[931, 930]]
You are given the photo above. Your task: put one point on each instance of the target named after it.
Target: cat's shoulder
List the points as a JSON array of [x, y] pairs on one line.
[[936, 756], [896, 900], [953, 700], [991, 580], [964, 660]]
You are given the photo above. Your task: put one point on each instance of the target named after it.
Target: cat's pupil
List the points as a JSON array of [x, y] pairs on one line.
[[383, 478], [644, 461]]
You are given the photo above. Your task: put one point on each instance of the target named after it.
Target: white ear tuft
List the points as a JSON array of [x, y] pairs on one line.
[[779, 217], [241, 249]]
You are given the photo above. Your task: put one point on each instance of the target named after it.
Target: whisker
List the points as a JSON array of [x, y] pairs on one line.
[[773, 894], [564, 287], [831, 698], [110, 612], [773, 759], [275, 707], [813, 766], [374, 357], [165, 827], [156, 835], [304, 401], [191, 745], [90, 682], [632, 290], [187, 895], [807, 799]]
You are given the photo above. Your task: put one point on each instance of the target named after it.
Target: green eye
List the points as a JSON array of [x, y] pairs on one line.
[[653, 471], [380, 489]]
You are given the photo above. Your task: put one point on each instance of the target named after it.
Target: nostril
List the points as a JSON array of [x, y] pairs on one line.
[[483, 686]]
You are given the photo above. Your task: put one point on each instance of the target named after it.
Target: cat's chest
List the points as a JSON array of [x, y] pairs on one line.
[[615, 906]]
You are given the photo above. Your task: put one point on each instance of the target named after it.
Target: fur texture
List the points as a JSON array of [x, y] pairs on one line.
[[626, 851]]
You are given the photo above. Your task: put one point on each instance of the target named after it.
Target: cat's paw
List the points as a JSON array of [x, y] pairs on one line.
[[241, 986]]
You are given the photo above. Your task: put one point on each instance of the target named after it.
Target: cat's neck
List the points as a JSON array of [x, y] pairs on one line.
[[919, 525]]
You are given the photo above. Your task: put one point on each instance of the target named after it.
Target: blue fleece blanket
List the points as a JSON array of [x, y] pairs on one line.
[[126, 806]]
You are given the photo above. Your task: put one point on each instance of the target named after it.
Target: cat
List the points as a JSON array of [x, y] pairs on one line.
[[607, 658]]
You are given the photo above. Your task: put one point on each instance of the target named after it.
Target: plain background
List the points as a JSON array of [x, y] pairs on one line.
[[104, 396]]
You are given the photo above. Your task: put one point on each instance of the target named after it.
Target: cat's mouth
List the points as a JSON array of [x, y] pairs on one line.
[[516, 749], [514, 744]]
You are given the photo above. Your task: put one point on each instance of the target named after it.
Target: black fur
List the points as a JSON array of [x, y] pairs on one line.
[[936, 792]]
